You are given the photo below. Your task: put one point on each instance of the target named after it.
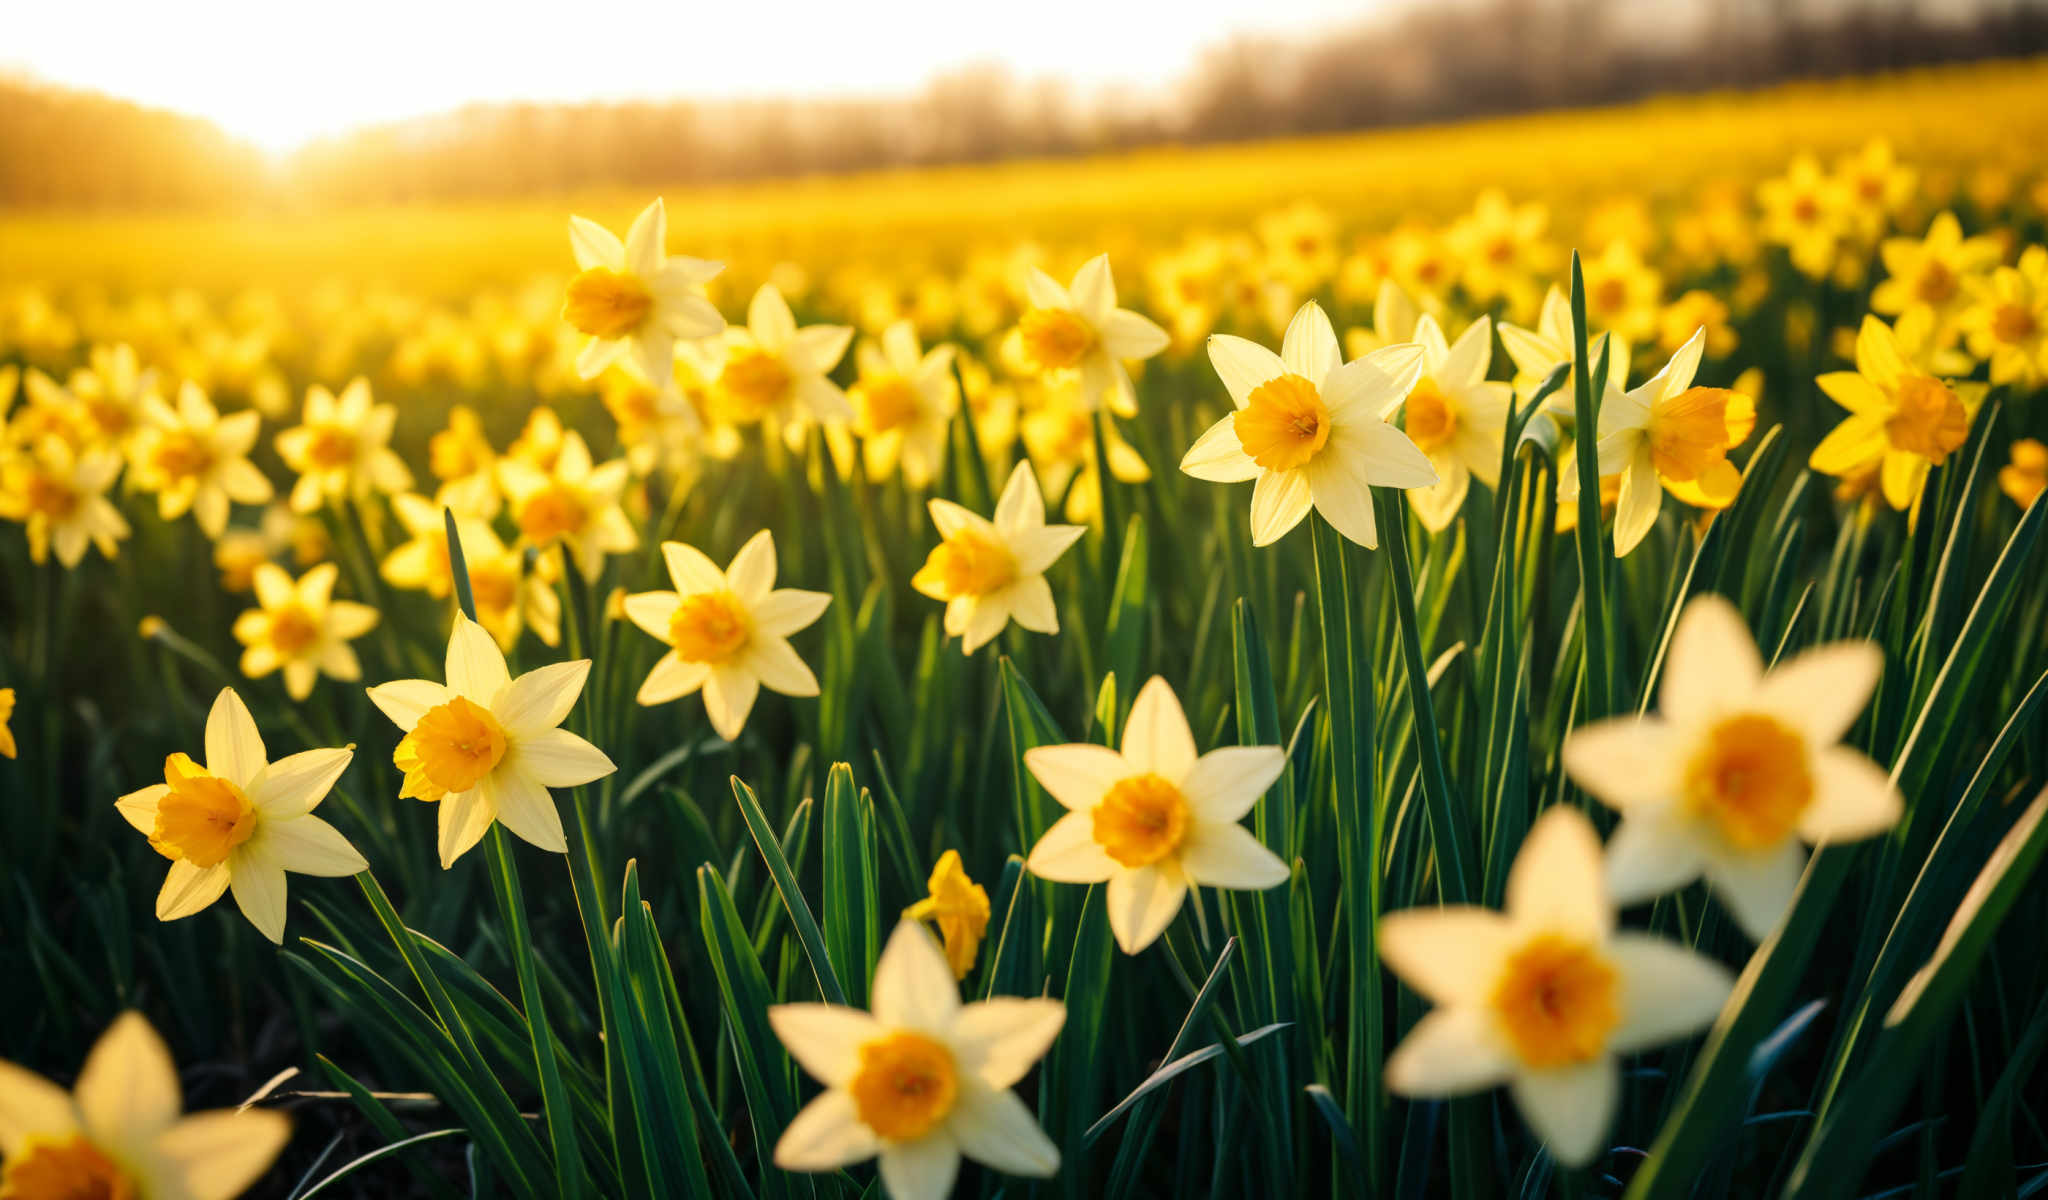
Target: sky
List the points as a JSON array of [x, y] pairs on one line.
[[281, 73]]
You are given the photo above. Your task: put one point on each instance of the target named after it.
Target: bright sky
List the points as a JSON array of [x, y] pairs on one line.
[[282, 72]]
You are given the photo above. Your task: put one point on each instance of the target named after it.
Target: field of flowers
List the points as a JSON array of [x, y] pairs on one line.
[[810, 709]]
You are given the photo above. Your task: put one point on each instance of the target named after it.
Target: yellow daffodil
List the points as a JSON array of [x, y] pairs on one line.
[[1876, 187], [1059, 434], [1301, 243], [631, 296], [113, 393], [1543, 996], [196, 460], [575, 503], [1501, 249], [959, 906], [508, 597], [921, 1080], [1151, 819], [1456, 417], [1902, 418], [60, 495], [240, 821], [727, 632], [1311, 429], [1937, 274], [1623, 294], [1539, 351], [2006, 323], [120, 1133], [1805, 211], [342, 448], [1667, 432], [298, 627], [487, 747], [2026, 475], [540, 439], [7, 747], [1737, 770], [1395, 315], [1695, 310], [775, 373], [1080, 329], [903, 404], [989, 573], [461, 457]]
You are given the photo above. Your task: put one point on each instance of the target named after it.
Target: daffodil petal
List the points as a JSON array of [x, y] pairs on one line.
[[1000, 1039], [311, 846], [1450, 1052], [234, 750], [1069, 853], [914, 986], [824, 1039], [541, 699], [127, 1091], [219, 1154], [1141, 903], [557, 758], [1570, 1108], [1450, 954], [525, 806], [1853, 798], [1224, 784], [1668, 991], [1648, 855], [1556, 881], [992, 1126], [826, 1135]]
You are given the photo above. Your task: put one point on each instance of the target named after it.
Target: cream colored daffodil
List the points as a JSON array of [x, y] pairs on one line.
[[240, 821], [1738, 770], [921, 1080], [1151, 820], [632, 297], [574, 501], [727, 632], [1544, 996], [487, 747], [1311, 428], [1456, 417], [903, 404], [121, 1133], [1080, 329], [775, 373], [990, 573]]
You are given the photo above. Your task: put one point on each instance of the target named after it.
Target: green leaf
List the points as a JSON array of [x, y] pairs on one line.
[[792, 897]]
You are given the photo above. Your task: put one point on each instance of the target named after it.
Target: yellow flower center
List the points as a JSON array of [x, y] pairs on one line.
[[709, 627], [1557, 1001], [331, 447], [292, 630], [555, 511], [110, 416], [453, 455], [1283, 424], [69, 1168], [1927, 419], [886, 403], [1055, 337], [753, 384], [1432, 419], [1141, 820], [1936, 284], [905, 1085], [1610, 295], [969, 564], [2013, 324], [202, 818], [49, 496], [605, 303], [1751, 780], [1805, 207], [455, 745], [1689, 433], [181, 454], [495, 588]]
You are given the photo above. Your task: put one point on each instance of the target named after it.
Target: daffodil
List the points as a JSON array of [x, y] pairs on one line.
[[903, 404], [990, 573], [631, 296], [1937, 273], [1623, 294], [1875, 186], [1311, 429], [7, 747], [196, 460], [297, 626], [2006, 323], [508, 596], [60, 495], [1902, 419], [1080, 329], [1806, 211], [1151, 819], [460, 456], [1395, 314], [921, 1080], [1668, 432], [575, 502], [1544, 996], [727, 632], [120, 1133], [342, 448], [487, 747], [1539, 351], [1059, 434], [1456, 417], [114, 392], [2022, 479], [1739, 768], [1501, 249], [959, 906], [240, 821], [775, 374]]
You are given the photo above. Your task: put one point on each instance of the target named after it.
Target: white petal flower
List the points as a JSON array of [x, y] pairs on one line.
[[920, 1081], [1152, 818], [1739, 769]]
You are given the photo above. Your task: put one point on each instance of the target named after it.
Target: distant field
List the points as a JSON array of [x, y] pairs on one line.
[[1658, 149]]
